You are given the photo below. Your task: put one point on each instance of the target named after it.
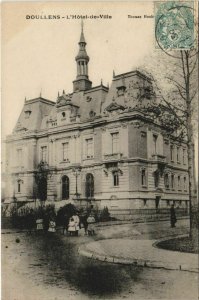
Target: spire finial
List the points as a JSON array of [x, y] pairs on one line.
[[82, 39], [113, 73], [101, 82], [63, 92], [25, 99], [58, 95], [108, 85], [82, 26]]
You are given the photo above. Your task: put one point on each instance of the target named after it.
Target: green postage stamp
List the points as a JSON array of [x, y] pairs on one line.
[[174, 25]]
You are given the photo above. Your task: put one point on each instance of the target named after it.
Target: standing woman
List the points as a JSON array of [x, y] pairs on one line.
[[76, 219], [172, 216]]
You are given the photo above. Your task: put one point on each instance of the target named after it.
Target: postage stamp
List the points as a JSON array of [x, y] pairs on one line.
[[174, 25]]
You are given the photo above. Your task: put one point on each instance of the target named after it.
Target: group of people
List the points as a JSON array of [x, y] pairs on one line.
[[41, 220], [76, 223], [71, 225]]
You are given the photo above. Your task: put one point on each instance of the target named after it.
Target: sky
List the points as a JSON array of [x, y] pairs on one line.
[[38, 56]]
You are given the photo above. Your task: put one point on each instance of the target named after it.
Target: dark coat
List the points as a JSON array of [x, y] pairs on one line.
[[173, 216]]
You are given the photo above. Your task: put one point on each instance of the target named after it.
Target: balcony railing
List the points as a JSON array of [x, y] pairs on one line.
[[112, 156]]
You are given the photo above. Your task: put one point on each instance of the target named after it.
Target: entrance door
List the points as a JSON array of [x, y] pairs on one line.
[[42, 189]]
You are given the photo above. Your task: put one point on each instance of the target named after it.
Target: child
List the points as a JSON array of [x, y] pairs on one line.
[[71, 226], [52, 226], [39, 223]]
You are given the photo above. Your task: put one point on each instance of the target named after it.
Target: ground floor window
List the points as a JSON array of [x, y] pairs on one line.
[[89, 185], [65, 188], [157, 202]]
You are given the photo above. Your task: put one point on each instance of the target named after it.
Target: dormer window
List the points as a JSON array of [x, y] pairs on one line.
[[120, 90], [92, 114], [148, 92], [88, 98], [27, 113]]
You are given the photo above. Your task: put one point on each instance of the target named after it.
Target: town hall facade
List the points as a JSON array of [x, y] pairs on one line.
[[96, 145]]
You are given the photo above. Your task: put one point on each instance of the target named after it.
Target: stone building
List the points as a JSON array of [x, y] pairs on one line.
[[96, 145]]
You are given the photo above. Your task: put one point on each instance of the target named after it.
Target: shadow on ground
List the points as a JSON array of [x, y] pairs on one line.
[[90, 277]]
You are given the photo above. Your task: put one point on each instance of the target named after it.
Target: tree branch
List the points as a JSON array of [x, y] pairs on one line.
[[193, 96], [183, 97], [193, 66], [183, 67], [176, 83], [172, 110]]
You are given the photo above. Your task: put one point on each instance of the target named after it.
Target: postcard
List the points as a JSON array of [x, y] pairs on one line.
[[99, 150]]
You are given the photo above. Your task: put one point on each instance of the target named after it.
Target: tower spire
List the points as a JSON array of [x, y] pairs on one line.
[[82, 81], [82, 25]]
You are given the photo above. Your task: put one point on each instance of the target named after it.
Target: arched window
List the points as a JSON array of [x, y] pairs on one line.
[[89, 185], [19, 186], [65, 188]]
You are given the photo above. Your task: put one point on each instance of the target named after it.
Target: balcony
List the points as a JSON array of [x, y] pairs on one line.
[[112, 156], [159, 158]]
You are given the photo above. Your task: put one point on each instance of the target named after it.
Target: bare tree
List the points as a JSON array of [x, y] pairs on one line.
[[177, 110]]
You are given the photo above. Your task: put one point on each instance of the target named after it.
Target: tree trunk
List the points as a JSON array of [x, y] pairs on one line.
[[193, 203]]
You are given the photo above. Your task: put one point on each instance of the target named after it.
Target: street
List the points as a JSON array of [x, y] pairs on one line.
[[49, 267]]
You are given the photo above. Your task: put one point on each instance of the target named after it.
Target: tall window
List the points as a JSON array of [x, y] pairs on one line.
[[178, 154], [172, 182], [171, 152], [185, 183], [184, 156], [65, 151], [89, 148], [115, 178], [115, 142], [44, 153], [155, 137], [89, 185], [179, 183], [19, 157], [143, 177], [65, 188], [166, 181], [156, 178]]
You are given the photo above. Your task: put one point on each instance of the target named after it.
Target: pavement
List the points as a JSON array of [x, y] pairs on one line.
[[139, 252]]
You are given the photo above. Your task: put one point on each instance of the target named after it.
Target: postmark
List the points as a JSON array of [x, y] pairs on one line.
[[174, 25]]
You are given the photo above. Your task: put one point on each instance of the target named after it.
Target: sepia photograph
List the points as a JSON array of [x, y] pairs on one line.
[[99, 150]]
